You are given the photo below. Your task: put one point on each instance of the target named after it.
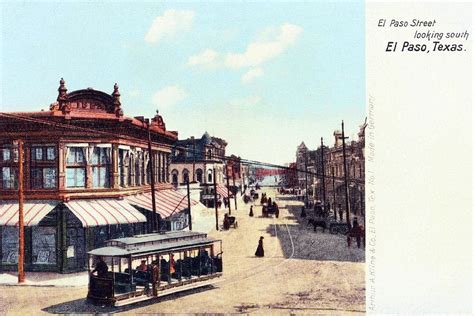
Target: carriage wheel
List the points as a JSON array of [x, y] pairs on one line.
[[334, 230]]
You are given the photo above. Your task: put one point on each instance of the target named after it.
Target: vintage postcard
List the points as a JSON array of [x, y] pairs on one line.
[[272, 158]]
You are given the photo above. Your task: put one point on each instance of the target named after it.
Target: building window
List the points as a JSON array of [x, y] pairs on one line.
[[43, 172], [199, 175], [185, 175], [122, 167], [75, 168], [43, 178], [75, 177], [148, 173], [209, 176], [9, 154], [100, 167], [209, 154], [9, 178], [138, 168], [43, 153], [174, 177]]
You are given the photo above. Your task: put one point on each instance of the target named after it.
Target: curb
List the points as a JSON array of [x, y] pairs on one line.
[[40, 285]]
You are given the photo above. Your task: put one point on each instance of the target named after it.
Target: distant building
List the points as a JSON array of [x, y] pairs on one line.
[[196, 159], [87, 175], [333, 160]]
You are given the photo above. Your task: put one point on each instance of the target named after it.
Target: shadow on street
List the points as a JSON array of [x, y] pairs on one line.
[[312, 245], [82, 306]]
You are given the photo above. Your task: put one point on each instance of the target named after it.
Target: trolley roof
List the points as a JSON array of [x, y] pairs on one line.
[[153, 243]]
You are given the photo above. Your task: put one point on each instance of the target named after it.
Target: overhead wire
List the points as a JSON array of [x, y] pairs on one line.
[[171, 147]]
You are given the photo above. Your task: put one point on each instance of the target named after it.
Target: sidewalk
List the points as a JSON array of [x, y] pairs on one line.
[[46, 279]]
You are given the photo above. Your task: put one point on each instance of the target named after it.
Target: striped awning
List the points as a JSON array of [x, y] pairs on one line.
[[222, 190], [100, 212], [33, 212], [167, 201]]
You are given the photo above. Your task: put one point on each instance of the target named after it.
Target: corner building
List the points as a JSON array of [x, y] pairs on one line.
[[87, 176]]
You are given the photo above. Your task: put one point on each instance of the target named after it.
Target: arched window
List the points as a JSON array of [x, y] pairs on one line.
[[199, 175], [174, 177], [209, 176], [185, 175]]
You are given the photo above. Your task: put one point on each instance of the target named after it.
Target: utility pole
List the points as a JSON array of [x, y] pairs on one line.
[[306, 177], [194, 160], [215, 199], [346, 186], [334, 194], [227, 179], [21, 223], [189, 206], [233, 183], [155, 224], [324, 181]]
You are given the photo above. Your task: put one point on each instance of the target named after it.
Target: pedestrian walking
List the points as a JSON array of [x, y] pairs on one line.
[[251, 211], [226, 223], [277, 210], [260, 252], [303, 212]]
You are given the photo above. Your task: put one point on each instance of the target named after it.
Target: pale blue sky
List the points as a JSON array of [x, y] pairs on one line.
[[307, 62]]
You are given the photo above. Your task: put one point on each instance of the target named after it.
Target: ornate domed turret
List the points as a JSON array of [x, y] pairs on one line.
[[206, 138]]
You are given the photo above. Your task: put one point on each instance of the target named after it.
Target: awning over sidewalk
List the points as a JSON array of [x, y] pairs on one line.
[[33, 212], [222, 190], [100, 212], [167, 201]]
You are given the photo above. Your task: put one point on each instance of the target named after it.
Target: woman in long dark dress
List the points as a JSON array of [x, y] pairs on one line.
[[260, 252], [251, 211]]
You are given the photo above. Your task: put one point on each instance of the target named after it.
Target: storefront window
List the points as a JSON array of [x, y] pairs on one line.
[[9, 244], [44, 245]]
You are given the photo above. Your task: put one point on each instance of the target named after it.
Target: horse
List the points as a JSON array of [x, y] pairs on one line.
[[317, 223]]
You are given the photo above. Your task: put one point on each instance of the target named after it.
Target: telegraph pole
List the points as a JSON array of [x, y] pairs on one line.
[[215, 200], [21, 223], [194, 160], [324, 181], [346, 186], [334, 194], [233, 183], [155, 221], [227, 179], [306, 177], [189, 205]]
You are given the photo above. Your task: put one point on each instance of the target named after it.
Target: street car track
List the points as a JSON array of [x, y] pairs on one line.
[[252, 271]]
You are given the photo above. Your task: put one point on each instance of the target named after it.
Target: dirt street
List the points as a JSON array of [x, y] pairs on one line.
[[303, 272]]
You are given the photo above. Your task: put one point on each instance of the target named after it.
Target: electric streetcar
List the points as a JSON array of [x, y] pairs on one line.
[[143, 267]]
